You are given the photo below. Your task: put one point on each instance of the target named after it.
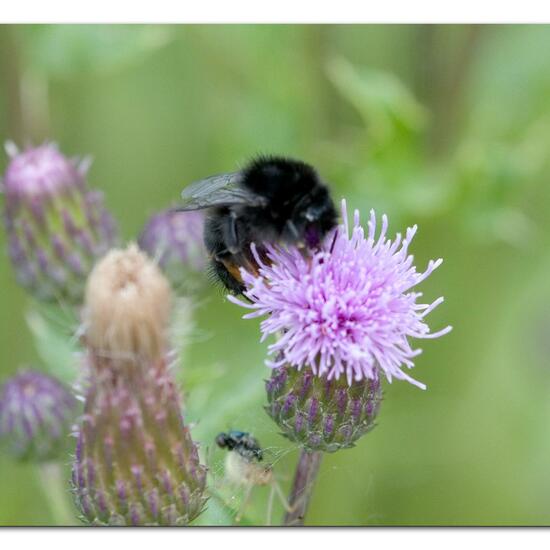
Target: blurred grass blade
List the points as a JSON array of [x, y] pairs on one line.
[[384, 103]]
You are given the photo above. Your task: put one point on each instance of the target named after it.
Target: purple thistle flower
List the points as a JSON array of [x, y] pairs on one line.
[[175, 240], [36, 413], [348, 309], [57, 227]]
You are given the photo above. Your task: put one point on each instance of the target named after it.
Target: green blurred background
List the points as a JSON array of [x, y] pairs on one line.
[[444, 126]]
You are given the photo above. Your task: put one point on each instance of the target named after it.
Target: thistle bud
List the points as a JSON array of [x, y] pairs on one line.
[[36, 413], [57, 227], [175, 241], [128, 304], [321, 414], [135, 461]]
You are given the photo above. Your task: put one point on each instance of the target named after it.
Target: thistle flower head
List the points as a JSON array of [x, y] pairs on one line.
[[346, 310], [36, 413], [41, 174], [127, 306], [135, 461], [175, 240], [57, 227]]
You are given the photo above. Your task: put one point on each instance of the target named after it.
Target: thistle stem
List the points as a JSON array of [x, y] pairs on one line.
[[302, 487], [56, 491]]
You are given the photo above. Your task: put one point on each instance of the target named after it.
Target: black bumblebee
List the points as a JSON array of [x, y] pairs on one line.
[[242, 443], [273, 199]]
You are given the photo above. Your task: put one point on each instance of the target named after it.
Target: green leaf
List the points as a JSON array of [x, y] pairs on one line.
[[55, 340], [384, 103]]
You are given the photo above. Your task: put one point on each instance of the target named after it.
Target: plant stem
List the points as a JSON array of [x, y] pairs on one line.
[[56, 491], [10, 68], [441, 84], [302, 487]]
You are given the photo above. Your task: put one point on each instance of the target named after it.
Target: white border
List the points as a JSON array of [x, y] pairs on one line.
[[275, 11], [275, 539]]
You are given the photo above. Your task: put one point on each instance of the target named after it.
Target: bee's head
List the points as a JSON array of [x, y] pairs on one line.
[[317, 216], [298, 208], [313, 215]]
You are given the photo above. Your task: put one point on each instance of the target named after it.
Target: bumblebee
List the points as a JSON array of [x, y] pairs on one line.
[[272, 200]]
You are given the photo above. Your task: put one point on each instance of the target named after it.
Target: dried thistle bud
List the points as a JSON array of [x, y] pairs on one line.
[[322, 414], [36, 414], [135, 462], [57, 227], [174, 239], [127, 306]]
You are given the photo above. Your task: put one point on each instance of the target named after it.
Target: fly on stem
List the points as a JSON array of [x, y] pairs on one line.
[[245, 468]]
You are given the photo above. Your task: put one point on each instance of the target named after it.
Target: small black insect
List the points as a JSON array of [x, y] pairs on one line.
[[273, 199], [243, 468], [243, 443]]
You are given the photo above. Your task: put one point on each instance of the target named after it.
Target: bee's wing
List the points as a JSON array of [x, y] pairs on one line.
[[220, 190]]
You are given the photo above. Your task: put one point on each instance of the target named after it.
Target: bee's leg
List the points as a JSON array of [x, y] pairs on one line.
[[244, 503], [230, 232], [234, 241]]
